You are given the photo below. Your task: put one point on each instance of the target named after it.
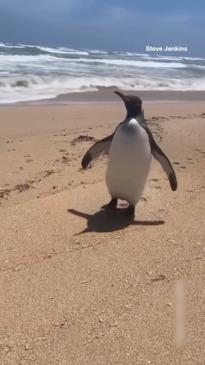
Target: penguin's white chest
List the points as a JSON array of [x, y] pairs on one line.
[[129, 162]]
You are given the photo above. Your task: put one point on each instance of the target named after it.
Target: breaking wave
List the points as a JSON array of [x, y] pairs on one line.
[[35, 72]]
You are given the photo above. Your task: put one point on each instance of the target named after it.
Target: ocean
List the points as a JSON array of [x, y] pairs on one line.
[[34, 72]]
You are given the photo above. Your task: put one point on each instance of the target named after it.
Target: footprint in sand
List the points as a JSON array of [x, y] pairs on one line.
[[68, 158], [22, 187], [9, 142], [82, 138], [190, 161], [4, 193], [177, 117], [47, 173], [143, 199], [65, 159], [159, 118]]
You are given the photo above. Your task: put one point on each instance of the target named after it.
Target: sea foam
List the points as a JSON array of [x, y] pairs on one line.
[[30, 72]]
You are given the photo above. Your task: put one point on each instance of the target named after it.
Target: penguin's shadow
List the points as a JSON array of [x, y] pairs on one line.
[[111, 220]]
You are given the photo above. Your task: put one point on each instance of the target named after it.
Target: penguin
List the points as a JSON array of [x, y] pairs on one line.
[[130, 149]]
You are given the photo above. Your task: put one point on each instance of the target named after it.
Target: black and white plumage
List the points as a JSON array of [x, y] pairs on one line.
[[130, 148]]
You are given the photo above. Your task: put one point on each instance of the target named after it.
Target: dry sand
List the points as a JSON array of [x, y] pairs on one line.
[[80, 286]]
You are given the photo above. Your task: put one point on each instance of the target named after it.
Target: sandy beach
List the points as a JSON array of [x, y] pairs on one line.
[[80, 286]]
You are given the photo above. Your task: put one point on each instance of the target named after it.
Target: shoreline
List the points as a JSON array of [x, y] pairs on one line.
[[106, 95]]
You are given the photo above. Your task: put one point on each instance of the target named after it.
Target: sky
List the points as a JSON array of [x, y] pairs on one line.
[[127, 25]]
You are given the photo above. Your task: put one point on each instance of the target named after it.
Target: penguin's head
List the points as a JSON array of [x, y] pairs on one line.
[[133, 104]]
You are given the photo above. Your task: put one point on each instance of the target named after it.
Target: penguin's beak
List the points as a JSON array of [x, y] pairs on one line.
[[124, 97], [121, 95]]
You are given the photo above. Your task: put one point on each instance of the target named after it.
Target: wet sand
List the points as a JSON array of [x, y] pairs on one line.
[[105, 95]]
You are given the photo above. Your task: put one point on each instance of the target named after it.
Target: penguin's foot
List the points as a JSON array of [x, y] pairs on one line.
[[130, 211], [111, 205]]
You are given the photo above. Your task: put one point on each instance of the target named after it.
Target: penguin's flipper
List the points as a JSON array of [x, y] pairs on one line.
[[160, 156], [96, 150], [166, 165]]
